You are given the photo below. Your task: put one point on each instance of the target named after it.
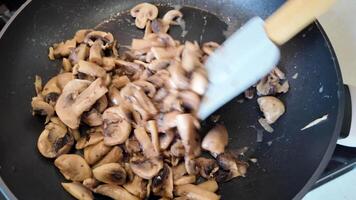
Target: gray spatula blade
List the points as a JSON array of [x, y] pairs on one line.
[[243, 59]]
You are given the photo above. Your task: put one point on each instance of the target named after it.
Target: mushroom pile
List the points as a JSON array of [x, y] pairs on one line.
[[125, 126]]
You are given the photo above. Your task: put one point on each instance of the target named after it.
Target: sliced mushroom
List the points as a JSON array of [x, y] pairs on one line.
[[114, 156], [229, 167], [146, 168], [145, 142], [77, 97], [179, 171], [108, 63], [54, 141], [195, 193], [114, 192], [78, 191], [95, 52], [40, 107], [271, 107], [101, 104], [209, 185], [75, 133], [199, 83], [171, 102], [157, 26], [67, 66], [79, 53], [159, 78], [207, 167], [92, 118], [80, 35], [132, 145], [172, 17], [166, 138], [162, 183], [177, 149], [63, 79], [95, 152], [191, 56], [164, 53], [178, 77], [185, 180], [191, 100], [51, 91], [153, 130], [120, 81], [92, 137], [90, 69], [144, 12], [64, 48], [116, 127], [137, 187], [106, 38], [91, 183], [73, 167], [216, 140], [148, 87], [209, 47], [111, 173]]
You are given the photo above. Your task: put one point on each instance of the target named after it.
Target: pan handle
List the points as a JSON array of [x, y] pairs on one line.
[[348, 132], [294, 16]]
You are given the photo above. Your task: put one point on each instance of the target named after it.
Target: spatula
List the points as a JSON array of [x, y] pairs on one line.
[[252, 52]]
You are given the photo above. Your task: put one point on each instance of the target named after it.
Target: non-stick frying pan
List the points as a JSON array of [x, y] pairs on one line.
[[289, 160]]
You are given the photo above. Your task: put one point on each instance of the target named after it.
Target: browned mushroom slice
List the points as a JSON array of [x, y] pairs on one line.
[[190, 139], [138, 98], [148, 87], [178, 76], [159, 64], [77, 97], [191, 100], [92, 137], [95, 52], [271, 107], [114, 96], [160, 95], [63, 79], [40, 107], [171, 102], [191, 56], [80, 35], [145, 45], [51, 91], [172, 17], [159, 78], [199, 83], [73, 167], [132, 145], [114, 156], [91, 69], [137, 187], [162, 183], [120, 81], [111, 173], [166, 138], [92, 118], [106, 38], [91, 183], [67, 66], [114, 192], [153, 130], [185, 180], [78, 191], [179, 171], [209, 185], [164, 53], [145, 142], [167, 121], [95, 152], [54, 141], [209, 47], [101, 104], [215, 140], [144, 12], [108, 63], [195, 193], [79, 53], [64, 48], [146, 168], [177, 149], [116, 127], [75, 133], [207, 167], [229, 167]]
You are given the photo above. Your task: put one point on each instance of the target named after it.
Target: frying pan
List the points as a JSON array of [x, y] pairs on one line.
[[289, 160]]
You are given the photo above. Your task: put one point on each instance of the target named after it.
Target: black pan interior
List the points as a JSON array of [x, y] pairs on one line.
[[288, 160]]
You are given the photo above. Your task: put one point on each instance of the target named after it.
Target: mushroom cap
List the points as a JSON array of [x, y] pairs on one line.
[[73, 167], [78, 96], [78, 191], [116, 127], [54, 141], [95, 152], [144, 12], [114, 192], [271, 107], [111, 173], [216, 140], [146, 168]]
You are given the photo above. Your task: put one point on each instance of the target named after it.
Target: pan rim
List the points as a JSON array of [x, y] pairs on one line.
[[9, 195]]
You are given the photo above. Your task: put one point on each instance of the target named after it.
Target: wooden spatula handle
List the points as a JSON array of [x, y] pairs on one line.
[[292, 17]]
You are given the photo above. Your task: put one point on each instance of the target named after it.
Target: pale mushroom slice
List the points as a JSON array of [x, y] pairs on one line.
[[162, 183], [230, 167], [199, 82], [114, 192], [215, 140], [95, 52], [77, 97], [114, 156], [78, 191], [92, 118], [179, 171], [209, 185], [146, 168], [54, 141], [93, 136], [107, 39], [40, 107], [95, 152], [111, 173], [172, 17], [153, 130], [209, 47], [207, 167], [177, 149], [191, 56], [79, 53], [51, 91], [132, 146], [101, 104], [271, 107], [144, 12], [73, 167], [63, 49], [63, 79], [116, 126], [190, 179], [146, 143], [137, 187], [195, 193], [91, 69], [91, 183]]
